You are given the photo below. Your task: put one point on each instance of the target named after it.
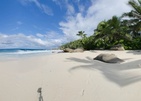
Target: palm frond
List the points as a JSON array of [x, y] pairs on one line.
[[135, 6]]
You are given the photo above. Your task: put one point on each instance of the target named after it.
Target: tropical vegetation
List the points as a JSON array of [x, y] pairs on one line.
[[116, 30]]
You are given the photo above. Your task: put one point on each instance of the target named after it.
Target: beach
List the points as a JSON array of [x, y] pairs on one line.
[[71, 77]]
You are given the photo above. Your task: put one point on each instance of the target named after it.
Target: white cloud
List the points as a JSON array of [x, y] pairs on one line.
[[81, 8], [47, 10], [39, 35], [78, 18], [70, 10], [29, 41], [54, 38], [65, 4], [61, 3], [88, 18]]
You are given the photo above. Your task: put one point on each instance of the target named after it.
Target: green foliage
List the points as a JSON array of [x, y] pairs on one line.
[[136, 43], [113, 31], [86, 43], [81, 34], [73, 45], [135, 22]]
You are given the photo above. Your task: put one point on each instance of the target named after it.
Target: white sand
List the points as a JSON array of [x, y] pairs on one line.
[[72, 77]]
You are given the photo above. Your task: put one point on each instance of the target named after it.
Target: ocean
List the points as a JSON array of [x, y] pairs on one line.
[[6, 54]]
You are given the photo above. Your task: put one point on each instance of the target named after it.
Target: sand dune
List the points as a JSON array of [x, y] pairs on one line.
[[71, 77]]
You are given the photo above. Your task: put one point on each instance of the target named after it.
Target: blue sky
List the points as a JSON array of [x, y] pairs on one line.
[[50, 23]]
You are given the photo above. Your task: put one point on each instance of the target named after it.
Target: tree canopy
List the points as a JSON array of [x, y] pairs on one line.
[[113, 31]]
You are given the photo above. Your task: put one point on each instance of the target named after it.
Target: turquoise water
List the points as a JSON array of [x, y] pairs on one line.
[[7, 54]]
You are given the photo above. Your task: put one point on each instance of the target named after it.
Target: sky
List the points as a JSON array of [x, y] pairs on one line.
[[47, 24]]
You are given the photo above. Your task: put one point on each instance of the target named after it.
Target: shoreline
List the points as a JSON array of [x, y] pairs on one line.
[[72, 77]]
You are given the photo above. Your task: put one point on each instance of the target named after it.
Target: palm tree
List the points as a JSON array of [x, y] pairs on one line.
[[135, 15], [111, 32], [81, 34]]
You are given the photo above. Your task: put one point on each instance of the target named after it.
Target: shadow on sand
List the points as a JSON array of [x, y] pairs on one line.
[[40, 94], [121, 74], [135, 52]]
